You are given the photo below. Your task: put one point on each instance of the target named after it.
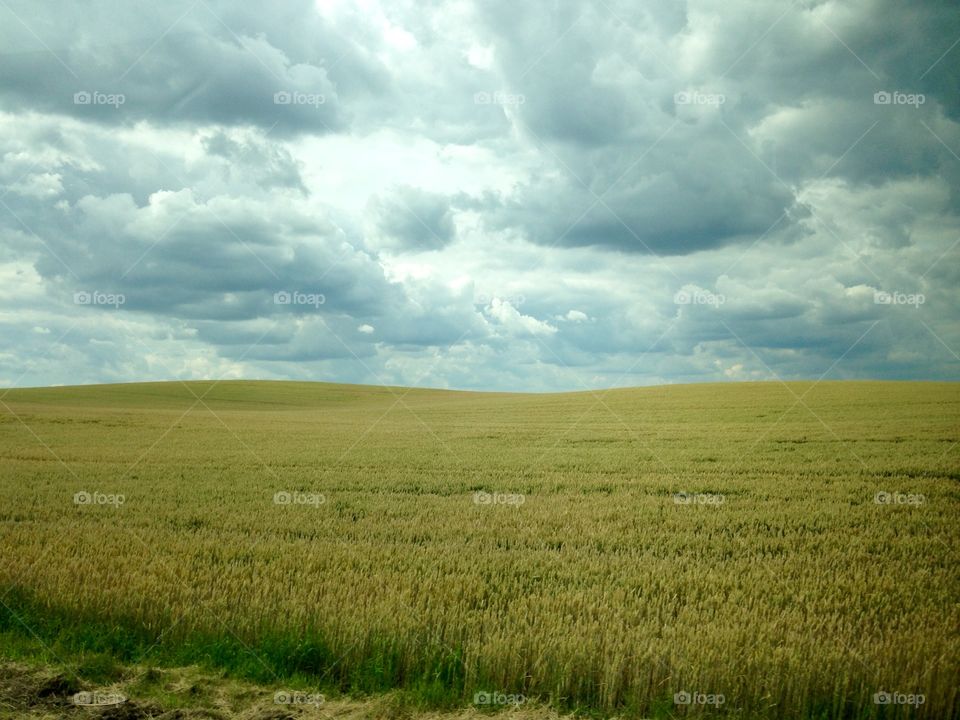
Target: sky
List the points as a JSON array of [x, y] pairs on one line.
[[481, 195]]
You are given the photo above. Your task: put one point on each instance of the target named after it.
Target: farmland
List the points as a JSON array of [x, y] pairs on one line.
[[761, 549]]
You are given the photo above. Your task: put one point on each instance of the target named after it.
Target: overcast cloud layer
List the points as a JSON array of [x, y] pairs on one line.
[[489, 194]]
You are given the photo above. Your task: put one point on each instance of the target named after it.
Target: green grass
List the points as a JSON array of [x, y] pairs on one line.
[[797, 596]]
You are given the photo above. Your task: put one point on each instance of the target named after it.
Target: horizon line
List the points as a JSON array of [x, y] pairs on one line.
[[175, 381]]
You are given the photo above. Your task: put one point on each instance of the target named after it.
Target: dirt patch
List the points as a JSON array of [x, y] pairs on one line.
[[29, 692], [271, 714], [128, 711], [22, 686], [42, 693], [58, 687]]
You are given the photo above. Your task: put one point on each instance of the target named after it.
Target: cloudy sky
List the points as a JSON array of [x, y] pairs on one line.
[[487, 194]]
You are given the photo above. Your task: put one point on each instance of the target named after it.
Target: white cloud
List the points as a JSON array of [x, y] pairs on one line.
[[516, 323], [575, 316]]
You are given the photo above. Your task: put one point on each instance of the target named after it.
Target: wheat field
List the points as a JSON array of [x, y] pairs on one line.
[[745, 549]]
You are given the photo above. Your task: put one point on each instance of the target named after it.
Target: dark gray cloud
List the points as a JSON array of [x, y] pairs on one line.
[[409, 218], [485, 195], [181, 62], [654, 155]]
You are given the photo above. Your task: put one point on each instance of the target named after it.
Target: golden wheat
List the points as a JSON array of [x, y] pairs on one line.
[[339, 531]]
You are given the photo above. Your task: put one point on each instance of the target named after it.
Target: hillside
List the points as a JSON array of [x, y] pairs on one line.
[[785, 547]]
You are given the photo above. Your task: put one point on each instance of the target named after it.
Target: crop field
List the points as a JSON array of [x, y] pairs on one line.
[[738, 550]]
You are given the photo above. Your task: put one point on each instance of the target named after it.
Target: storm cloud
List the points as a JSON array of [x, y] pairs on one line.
[[479, 194]]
